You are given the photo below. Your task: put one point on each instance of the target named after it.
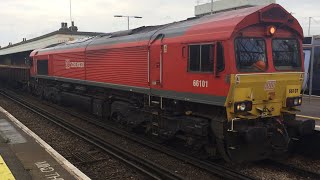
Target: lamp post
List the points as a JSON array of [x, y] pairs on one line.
[[128, 17], [70, 11]]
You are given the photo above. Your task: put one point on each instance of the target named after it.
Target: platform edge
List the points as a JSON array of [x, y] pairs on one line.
[[58, 157]]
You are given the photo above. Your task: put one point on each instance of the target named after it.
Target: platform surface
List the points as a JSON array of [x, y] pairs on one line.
[[24, 157], [5, 172], [310, 109]]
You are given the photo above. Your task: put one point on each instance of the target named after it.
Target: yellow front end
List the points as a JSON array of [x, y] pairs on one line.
[[267, 92]]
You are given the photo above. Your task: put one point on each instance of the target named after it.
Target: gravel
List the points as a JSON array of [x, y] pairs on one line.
[[117, 170], [179, 167], [267, 172], [66, 143]]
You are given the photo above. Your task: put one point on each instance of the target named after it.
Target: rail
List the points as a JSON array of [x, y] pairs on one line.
[[144, 166], [212, 167]]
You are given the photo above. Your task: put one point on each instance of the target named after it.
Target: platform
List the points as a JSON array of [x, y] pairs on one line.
[[310, 109], [24, 155]]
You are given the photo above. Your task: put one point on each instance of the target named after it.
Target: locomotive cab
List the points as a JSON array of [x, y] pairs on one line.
[[265, 84]]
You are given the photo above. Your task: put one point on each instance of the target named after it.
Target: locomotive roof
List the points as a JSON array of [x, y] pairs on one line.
[[219, 26]]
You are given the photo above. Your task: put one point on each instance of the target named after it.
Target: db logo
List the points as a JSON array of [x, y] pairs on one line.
[[68, 64], [270, 85]]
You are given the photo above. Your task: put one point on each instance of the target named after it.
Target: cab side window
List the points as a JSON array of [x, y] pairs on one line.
[[220, 57], [201, 58], [42, 67]]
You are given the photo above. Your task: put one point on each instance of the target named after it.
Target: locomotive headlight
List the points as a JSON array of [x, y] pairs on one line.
[[271, 30], [238, 107], [243, 106], [300, 100], [294, 101]]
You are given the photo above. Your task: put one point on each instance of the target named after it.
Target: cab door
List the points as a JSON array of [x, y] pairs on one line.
[[156, 63]]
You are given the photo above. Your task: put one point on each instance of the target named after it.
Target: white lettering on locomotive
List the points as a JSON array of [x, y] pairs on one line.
[[237, 79], [70, 64], [270, 85], [165, 48], [200, 83]]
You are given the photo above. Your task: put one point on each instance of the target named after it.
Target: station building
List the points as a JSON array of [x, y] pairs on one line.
[[17, 54], [226, 5]]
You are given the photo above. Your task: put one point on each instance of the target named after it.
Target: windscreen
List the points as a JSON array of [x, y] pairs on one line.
[[286, 54], [251, 54]]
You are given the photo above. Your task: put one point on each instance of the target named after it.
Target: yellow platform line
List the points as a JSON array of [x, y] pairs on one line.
[[5, 173], [309, 117]]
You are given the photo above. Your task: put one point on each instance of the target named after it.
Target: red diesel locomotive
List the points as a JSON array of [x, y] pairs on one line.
[[227, 83]]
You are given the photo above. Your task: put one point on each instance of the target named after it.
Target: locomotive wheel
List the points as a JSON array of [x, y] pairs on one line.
[[217, 137], [52, 98], [117, 117], [255, 143], [40, 93], [279, 139], [223, 150], [37, 91]]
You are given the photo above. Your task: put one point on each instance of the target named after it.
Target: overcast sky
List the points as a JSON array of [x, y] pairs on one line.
[[31, 18]]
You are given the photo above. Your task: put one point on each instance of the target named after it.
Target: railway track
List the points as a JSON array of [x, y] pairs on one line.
[[289, 167], [146, 167], [212, 167]]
